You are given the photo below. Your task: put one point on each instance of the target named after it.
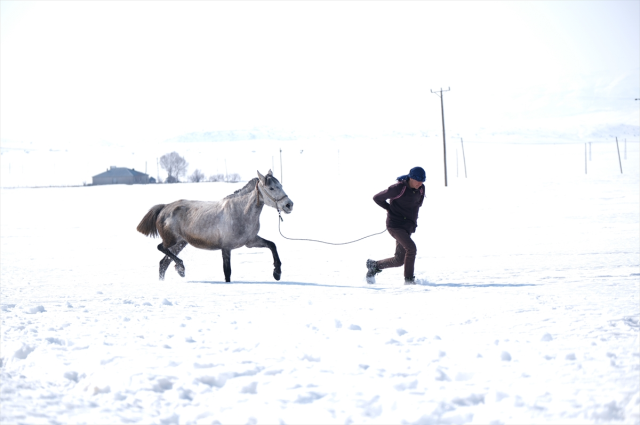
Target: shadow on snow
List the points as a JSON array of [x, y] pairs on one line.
[[283, 283], [472, 285]]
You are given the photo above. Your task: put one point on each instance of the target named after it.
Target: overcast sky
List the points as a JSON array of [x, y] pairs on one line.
[[149, 71]]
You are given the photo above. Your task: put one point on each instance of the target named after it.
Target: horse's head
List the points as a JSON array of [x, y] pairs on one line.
[[273, 194]]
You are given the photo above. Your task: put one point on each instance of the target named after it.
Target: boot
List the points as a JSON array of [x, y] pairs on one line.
[[372, 270], [410, 280]]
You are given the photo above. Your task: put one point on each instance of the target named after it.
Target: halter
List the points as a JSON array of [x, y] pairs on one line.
[[275, 201]]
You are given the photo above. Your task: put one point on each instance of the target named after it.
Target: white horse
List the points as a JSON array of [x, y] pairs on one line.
[[228, 224]]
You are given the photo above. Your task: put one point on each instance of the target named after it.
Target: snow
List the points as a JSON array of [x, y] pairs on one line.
[[526, 310]]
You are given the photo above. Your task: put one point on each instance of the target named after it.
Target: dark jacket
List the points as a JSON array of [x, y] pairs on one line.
[[402, 209]]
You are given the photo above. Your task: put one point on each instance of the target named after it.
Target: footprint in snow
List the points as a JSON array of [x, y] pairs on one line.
[[309, 397], [407, 386], [162, 385], [464, 376], [101, 390], [35, 310], [441, 376], [250, 389], [471, 400], [310, 358], [22, 352]]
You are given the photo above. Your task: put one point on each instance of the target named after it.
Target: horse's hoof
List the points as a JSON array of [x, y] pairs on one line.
[[180, 270], [277, 274]]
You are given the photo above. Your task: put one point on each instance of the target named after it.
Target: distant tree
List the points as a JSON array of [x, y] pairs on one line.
[[232, 178], [196, 177], [216, 178], [174, 165]]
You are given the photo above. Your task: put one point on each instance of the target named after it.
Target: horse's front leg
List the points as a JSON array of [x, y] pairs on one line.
[[258, 242], [226, 264]]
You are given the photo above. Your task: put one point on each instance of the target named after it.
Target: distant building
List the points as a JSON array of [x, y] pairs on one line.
[[118, 175]]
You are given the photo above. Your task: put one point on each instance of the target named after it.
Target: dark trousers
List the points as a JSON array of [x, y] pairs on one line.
[[405, 252]]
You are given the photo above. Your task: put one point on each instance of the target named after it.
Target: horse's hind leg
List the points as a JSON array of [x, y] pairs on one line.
[[226, 264], [171, 254], [166, 261], [164, 265], [259, 242]]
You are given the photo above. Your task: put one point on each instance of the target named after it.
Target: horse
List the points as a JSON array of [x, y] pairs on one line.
[[228, 224]]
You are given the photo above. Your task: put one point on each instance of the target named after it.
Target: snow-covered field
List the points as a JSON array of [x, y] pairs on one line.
[[527, 308]]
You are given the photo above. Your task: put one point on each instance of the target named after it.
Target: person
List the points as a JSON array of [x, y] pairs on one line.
[[405, 199]]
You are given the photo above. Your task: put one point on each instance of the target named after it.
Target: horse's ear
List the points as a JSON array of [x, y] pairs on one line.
[[270, 173], [261, 177]]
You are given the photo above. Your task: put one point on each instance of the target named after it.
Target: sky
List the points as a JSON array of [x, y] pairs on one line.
[[144, 72]]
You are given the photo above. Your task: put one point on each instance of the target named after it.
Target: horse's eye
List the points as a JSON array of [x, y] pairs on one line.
[[270, 188]]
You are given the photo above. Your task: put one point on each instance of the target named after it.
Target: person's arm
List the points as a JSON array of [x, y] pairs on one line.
[[390, 193]]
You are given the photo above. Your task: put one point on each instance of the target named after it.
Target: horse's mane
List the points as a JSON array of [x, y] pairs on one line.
[[246, 189], [249, 187]]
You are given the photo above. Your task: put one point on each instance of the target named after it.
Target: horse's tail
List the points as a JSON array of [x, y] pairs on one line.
[[148, 224]]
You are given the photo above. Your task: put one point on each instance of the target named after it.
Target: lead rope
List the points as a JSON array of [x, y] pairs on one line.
[[314, 240], [309, 240]]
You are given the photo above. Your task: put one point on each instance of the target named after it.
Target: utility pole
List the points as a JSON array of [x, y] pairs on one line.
[[619, 161], [444, 144], [585, 157], [464, 161], [281, 179]]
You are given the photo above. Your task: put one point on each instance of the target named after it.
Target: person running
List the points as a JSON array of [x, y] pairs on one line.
[[405, 199]]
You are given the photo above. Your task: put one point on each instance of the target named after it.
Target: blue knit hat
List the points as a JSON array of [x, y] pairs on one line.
[[416, 173]]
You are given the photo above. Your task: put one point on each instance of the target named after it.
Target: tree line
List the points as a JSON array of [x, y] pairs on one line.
[[176, 166]]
